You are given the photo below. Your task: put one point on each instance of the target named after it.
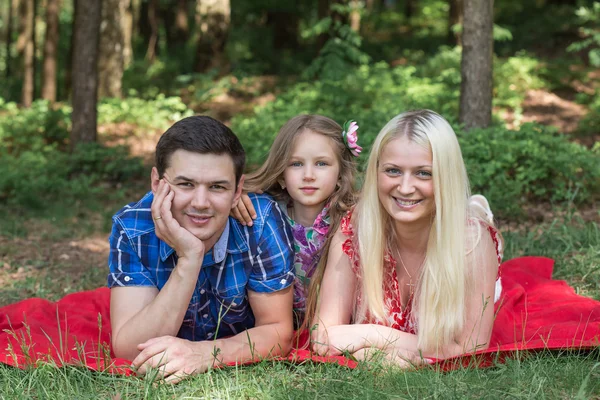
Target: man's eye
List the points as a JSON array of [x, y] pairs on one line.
[[185, 184], [218, 187]]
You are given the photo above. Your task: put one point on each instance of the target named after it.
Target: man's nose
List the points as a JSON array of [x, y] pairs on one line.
[[200, 198]]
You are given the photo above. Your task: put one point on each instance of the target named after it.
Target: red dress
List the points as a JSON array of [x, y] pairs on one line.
[[395, 316]]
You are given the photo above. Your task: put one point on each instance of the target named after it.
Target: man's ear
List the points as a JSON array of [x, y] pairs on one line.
[[238, 191], [154, 179]]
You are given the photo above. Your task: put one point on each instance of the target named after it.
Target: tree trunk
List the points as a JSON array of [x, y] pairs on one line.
[[28, 38], [176, 25], [476, 65], [110, 54], [50, 51], [322, 12], [9, 31], [152, 23], [355, 16], [213, 18], [69, 66], [85, 73], [127, 24], [409, 8], [455, 16], [285, 26]]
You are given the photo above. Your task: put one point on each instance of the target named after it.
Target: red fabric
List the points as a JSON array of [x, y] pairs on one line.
[[535, 312]]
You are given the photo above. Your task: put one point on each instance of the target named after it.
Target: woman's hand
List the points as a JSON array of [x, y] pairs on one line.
[[340, 339]]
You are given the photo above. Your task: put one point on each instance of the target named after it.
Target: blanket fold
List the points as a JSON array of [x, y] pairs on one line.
[[533, 313]]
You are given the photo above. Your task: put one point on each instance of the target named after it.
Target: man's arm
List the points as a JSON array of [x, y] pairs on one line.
[[271, 336], [142, 313]]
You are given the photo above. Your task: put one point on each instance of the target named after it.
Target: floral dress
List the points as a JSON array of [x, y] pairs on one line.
[[396, 317], [308, 243]]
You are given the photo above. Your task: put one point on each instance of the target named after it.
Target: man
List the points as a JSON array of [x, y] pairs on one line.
[[192, 288]]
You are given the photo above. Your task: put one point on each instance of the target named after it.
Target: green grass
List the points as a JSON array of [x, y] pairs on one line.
[[542, 375]]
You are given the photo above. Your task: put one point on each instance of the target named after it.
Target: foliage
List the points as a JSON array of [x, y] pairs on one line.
[[37, 128], [156, 113], [535, 164], [589, 17], [590, 123], [341, 53], [35, 178]]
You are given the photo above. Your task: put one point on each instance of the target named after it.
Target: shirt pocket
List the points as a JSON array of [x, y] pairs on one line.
[[232, 306]]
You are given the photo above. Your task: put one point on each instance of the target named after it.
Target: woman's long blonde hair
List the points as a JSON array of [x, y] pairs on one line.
[[439, 306]]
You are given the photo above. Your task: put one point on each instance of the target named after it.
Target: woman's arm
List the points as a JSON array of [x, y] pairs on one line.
[[482, 268], [336, 296]]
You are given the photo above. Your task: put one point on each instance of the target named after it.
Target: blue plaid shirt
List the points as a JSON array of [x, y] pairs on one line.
[[259, 258]]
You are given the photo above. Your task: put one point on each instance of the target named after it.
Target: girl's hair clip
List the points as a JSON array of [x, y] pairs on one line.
[[350, 135]]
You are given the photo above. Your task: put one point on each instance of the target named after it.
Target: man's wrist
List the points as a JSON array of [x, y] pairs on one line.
[[191, 265]]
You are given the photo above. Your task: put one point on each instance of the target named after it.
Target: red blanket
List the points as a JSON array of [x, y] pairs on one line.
[[534, 312]]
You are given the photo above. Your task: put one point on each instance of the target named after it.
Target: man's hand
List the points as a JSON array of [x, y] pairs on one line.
[[169, 230], [174, 358]]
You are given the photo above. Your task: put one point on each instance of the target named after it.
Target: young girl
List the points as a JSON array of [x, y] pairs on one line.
[[414, 267], [310, 171]]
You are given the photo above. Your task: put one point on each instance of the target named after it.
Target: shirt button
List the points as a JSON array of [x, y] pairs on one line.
[[127, 279], [233, 303], [209, 335], [205, 316], [283, 281], [202, 291]]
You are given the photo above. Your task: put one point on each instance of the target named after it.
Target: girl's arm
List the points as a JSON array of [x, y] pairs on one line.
[[482, 268], [336, 296]]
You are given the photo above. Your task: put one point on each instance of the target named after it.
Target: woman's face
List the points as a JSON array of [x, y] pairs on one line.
[[405, 182]]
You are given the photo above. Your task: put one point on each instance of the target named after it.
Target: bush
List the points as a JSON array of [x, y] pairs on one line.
[[534, 164], [35, 178]]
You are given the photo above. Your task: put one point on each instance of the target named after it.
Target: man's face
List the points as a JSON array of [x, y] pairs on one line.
[[204, 192]]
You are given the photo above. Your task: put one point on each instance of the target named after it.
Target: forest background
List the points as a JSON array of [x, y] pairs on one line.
[[87, 88]]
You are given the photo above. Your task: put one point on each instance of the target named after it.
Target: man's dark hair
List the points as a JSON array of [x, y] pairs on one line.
[[200, 134]]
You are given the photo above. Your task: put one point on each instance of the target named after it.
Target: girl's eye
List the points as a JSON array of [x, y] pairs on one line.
[[321, 164], [296, 164]]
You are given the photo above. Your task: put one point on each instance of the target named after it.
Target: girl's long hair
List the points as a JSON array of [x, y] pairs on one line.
[[267, 178]]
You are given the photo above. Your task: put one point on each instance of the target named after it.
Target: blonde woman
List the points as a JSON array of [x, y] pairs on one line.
[[413, 269]]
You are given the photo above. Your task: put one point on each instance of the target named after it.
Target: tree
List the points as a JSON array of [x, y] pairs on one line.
[[148, 27], [26, 44], [50, 51], [9, 31], [455, 17], [127, 34], [213, 18], [476, 65], [85, 72], [112, 38]]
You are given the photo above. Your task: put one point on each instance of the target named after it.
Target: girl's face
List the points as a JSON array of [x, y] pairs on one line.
[[405, 183], [312, 171]]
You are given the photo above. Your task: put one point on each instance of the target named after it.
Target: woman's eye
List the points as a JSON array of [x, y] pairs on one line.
[[392, 171], [424, 174]]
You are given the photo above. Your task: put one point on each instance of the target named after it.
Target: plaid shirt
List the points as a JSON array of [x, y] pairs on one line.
[[257, 258]]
